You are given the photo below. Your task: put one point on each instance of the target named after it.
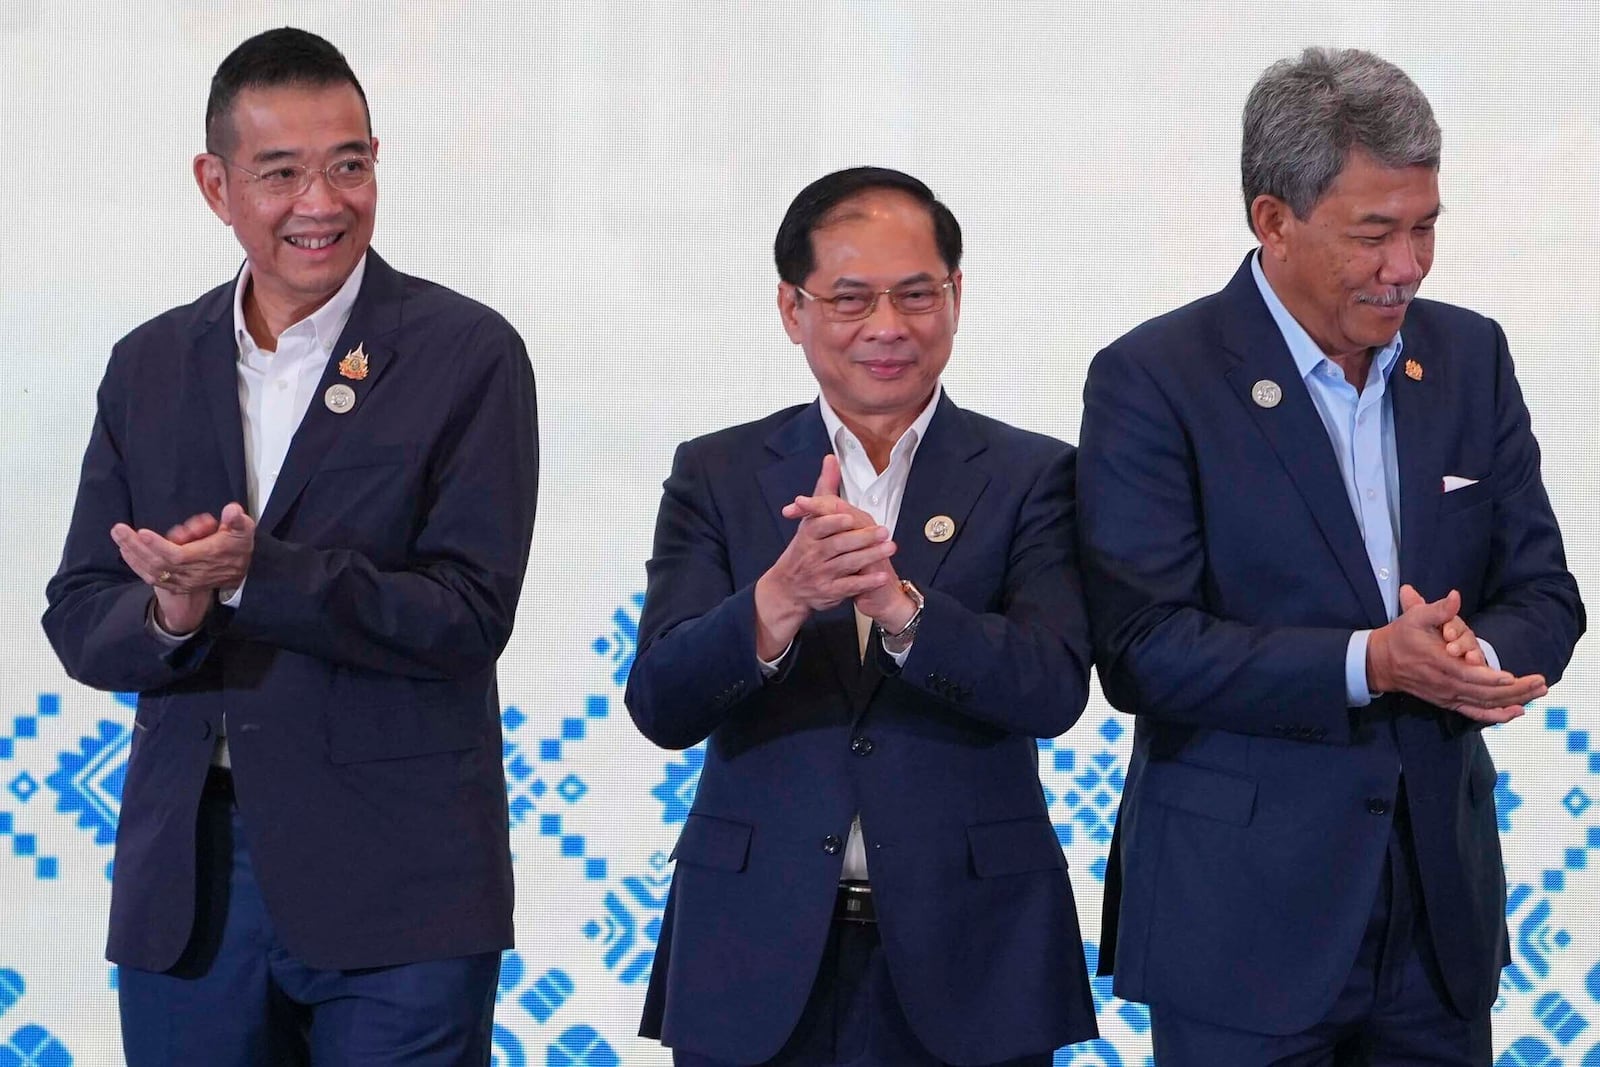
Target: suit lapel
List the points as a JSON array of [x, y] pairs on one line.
[[1419, 451], [1294, 430], [800, 444], [214, 365], [374, 320], [943, 484]]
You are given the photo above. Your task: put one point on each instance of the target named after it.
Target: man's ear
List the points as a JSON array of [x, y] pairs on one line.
[[955, 300], [1272, 219], [211, 175], [789, 310]]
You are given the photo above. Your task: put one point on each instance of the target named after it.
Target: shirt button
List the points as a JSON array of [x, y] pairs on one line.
[[831, 845], [1377, 805], [282, 386], [1383, 573], [861, 746], [1371, 493], [874, 498]]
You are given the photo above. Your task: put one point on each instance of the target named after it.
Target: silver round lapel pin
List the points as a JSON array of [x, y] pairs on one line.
[[339, 398], [1266, 393]]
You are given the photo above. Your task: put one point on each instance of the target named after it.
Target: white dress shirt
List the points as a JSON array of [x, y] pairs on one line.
[[275, 389], [879, 494]]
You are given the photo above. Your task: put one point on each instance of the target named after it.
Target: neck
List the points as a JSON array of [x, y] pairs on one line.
[[1355, 364], [879, 434], [266, 316]]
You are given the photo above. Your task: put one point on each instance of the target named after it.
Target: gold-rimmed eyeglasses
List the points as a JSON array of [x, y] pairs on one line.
[[910, 298], [292, 179]]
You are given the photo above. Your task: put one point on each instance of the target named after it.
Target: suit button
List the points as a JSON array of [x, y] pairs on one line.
[[831, 845], [1377, 805], [861, 746]]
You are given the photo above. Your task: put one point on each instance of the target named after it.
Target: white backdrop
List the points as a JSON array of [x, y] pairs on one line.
[[610, 176]]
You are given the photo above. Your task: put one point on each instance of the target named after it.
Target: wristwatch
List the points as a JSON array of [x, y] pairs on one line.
[[896, 643]]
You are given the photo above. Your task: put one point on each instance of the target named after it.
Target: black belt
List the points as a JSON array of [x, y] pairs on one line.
[[853, 903]]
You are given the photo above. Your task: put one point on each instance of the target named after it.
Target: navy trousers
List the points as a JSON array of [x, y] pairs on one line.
[[852, 1016], [1393, 1012], [236, 998]]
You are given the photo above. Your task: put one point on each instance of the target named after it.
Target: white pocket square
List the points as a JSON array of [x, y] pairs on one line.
[[1452, 482]]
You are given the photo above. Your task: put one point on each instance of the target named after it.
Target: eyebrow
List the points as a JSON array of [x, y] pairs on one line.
[[276, 155], [857, 283], [1389, 220]]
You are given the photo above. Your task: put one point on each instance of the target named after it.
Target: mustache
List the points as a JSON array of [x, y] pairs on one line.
[[1388, 297]]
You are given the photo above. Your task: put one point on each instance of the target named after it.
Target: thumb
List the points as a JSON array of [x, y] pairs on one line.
[[1440, 611], [828, 480], [236, 520], [1409, 597]]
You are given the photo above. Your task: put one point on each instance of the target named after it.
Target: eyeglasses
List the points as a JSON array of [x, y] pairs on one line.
[[292, 179], [914, 298]]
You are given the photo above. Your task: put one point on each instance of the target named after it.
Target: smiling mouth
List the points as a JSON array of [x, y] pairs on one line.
[[313, 244]]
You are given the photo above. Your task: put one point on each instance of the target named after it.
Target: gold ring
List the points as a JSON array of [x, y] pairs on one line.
[[164, 577]]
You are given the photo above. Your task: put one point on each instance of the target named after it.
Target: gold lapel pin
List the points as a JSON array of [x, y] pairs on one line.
[[1413, 370], [354, 364], [939, 529]]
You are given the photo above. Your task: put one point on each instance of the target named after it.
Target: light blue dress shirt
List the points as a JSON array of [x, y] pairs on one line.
[[1361, 428]]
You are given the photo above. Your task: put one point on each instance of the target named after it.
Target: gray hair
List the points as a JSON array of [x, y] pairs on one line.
[[1305, 115]]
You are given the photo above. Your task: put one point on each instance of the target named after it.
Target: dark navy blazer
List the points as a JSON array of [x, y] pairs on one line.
[[358, 673], [975, 908], [1225, 571]]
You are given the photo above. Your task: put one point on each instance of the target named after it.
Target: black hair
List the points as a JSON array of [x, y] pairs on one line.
[[793, 250], [284, 56]]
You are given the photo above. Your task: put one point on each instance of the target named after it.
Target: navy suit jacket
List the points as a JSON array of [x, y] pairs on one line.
[[1225, 572], [358, 673], [939, 758]]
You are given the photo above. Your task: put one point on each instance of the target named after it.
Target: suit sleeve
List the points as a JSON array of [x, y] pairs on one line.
[[697, 644], [1024, 666], [1142, 536], [1531, 612], [97, 606]]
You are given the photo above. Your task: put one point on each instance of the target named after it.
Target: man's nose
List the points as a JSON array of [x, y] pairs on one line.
[[1402, 262], [885, 319], [319, 197]]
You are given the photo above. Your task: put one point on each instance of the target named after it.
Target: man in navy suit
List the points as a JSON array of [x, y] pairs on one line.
[[1319, 559], [867, 607], [300, 535]]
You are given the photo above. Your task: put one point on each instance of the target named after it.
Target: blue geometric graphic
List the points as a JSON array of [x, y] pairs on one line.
[[631, 927], [89, 781], [34, 1046], [676, 790]]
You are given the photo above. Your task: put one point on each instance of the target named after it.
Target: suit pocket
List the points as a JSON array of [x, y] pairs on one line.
[[1201, 791], [359, 735], [1466, 497], [721, 844], [1015, 846]]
